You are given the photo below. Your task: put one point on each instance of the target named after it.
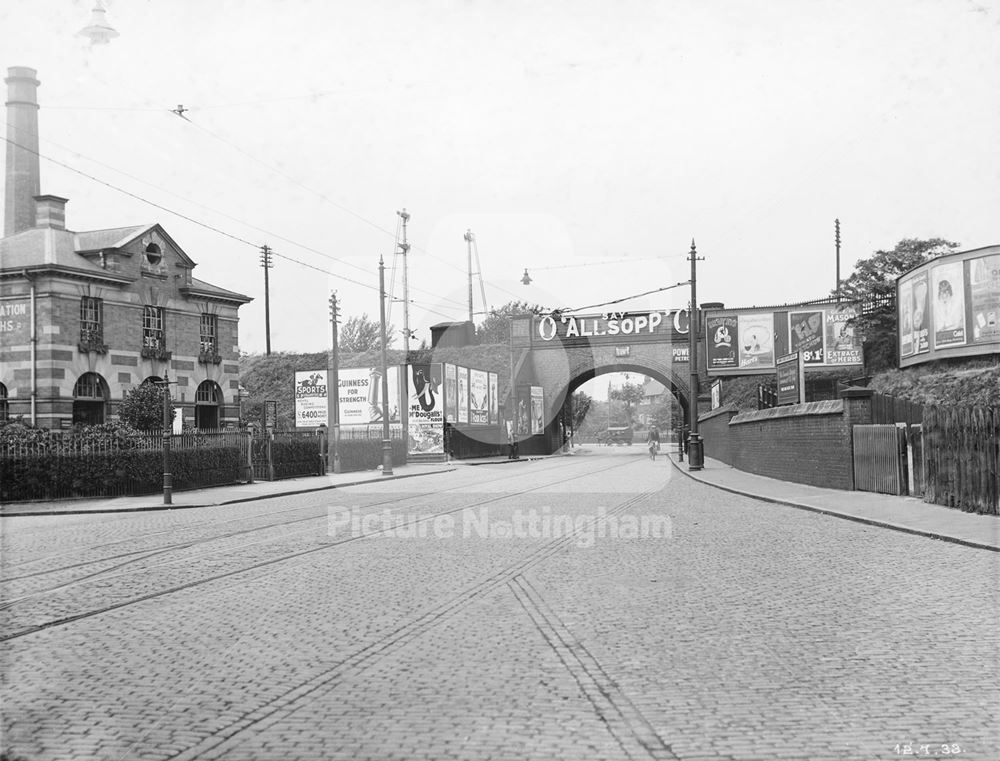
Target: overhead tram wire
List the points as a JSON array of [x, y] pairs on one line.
[[624, 298], [205, 225]]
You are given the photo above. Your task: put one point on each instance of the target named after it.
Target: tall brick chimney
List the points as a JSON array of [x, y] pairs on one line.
[[22, 182], [51, 212]]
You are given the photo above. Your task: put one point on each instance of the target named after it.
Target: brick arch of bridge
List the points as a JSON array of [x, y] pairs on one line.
[[561, 372]]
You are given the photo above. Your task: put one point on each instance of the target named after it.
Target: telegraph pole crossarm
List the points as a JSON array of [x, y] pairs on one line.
[[696, 453], [267, 263]]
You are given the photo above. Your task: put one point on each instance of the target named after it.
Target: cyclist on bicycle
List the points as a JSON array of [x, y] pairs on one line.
[[653, 441]]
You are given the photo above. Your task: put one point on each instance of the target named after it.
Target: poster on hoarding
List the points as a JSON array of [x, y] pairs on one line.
[[450, 393], [721, 334], [310, 398], [494, 399], [361, 395], [479, 397], [522, 420], [425, 429], [843, 346], [790, 379], [463, 395], [948, 300], [921, 314], [984, 298], [906, 318], [806, 336], [756, 340], [537, 409]]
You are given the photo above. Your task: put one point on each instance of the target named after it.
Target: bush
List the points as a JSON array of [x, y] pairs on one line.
[[366, 454], [297, 456]]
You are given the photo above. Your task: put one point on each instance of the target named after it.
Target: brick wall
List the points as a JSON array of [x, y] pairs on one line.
[[714, 430]]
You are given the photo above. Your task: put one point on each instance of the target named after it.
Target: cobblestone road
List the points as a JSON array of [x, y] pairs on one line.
[[496, 612]]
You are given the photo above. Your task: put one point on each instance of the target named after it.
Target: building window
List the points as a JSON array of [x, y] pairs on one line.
[[4, 408], [92, 325], [209, 333], [153, 254], [90, 399], [152, 328], [207, 401]]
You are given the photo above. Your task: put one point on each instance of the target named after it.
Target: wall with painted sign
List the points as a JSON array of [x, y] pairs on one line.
[[611, 326], [950, 307]]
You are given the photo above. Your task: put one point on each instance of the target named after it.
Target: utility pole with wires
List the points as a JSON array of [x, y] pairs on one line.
[[473, 252], [267, 262], [469, 237], [333, 391], [836, 239], [404, 248]]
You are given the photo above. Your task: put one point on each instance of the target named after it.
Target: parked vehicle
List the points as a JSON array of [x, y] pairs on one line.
[[617, 436]]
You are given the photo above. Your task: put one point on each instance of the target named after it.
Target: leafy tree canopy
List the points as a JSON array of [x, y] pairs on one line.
[[495, 329], [580, 403], [142, 408], [360, 334], [873, 284]]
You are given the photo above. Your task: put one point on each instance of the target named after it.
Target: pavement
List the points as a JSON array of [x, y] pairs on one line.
[[909, 514]]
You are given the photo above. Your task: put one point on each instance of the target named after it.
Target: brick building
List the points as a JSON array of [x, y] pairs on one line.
[[86, 316]]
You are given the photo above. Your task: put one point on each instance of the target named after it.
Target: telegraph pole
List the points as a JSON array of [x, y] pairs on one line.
[[333, 392], [836, 227], [469, 237], [267, 262], [386, 440], [696, 454], [404, 247]]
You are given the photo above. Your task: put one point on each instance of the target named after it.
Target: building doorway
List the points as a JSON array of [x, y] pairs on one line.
[[90, 400], [207, 402]]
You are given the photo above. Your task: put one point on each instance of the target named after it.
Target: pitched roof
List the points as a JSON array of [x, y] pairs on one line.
[[115, 237], [44, 248], [201, 288]]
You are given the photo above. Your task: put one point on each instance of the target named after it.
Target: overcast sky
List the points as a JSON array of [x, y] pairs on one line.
[[561, 133]]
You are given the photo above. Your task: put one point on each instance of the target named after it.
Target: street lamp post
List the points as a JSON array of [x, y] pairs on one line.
[[168, 476], [696, 454], [386, 440]]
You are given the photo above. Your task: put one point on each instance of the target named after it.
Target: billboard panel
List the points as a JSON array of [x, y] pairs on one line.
[[984, 298], [425, 429], [807, 336], [310, 398], [921, 314], [494, 382], [948, 311], [450, 393], [756, 340], [537, 409], [479, 397], [721, 340], [361, 395], [842, 344], [905, 318], [463, 395]]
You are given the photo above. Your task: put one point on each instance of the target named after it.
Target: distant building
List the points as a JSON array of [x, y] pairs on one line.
[[86, 316]]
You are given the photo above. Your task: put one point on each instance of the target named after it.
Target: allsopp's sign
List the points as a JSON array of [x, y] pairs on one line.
[[663, 324]]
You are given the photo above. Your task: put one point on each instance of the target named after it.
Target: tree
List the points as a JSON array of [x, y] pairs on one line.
[[142, 408], [495, 329], [873, 285], [631, 394], [579, 406], [359, 334]]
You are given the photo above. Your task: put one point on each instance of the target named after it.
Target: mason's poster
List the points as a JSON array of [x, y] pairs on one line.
[[806, 336], [426, 414], [721, 340], [756, 340], [537, 409], [906, 318], [921, 314], [494, 399], [948, 299], [984, 297], [361, 395], [479, 397], [463, 395], [310, 399], [842, 344], [450, 394]]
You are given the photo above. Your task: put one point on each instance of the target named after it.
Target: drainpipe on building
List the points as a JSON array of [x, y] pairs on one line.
[[34, 350]]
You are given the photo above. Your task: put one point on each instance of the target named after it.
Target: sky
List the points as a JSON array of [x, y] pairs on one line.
[[587, 142]]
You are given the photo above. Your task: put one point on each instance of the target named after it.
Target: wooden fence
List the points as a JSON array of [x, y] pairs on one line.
[[962, 458]]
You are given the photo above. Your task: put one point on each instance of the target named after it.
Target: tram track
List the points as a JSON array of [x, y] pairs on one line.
[[64, 620]]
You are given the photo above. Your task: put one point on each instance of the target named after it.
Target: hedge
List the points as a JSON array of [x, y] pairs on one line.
[[366, 454]]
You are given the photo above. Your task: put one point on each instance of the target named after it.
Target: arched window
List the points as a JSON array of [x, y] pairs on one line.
[[154, 379], [90, 399], [207, 403], [4, 409]]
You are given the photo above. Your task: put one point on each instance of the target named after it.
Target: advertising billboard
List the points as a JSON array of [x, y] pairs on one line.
[[310, 398], [494, 381], [748, 341], [479, 397], [425, 428], [450, 393], [950, 307], [537, 409], [361, 395], [463, 395], [790, 378]]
